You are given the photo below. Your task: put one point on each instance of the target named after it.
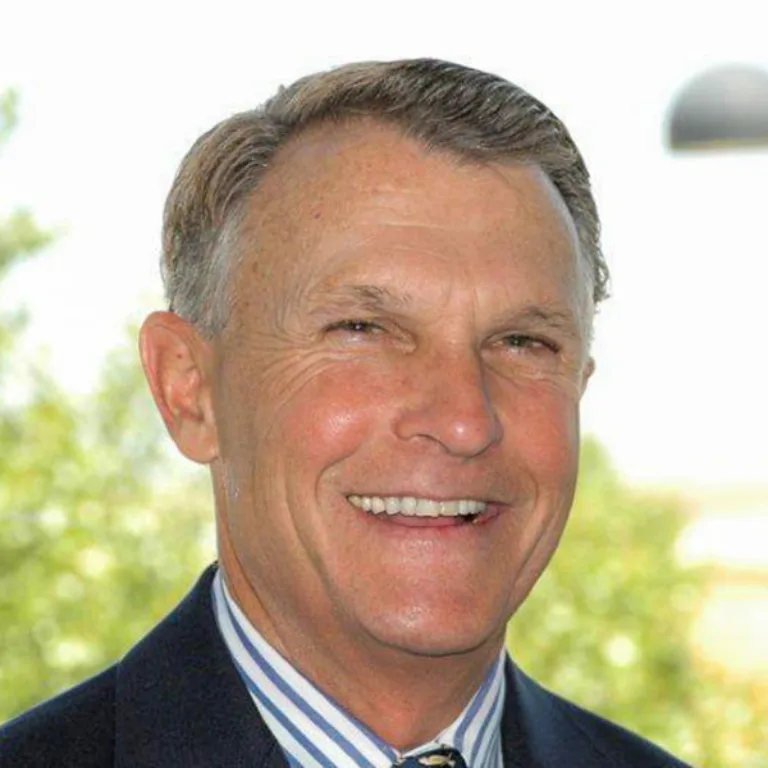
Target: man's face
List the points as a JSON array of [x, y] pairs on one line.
[[408, 334]]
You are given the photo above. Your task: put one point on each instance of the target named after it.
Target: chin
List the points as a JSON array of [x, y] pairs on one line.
[[429, 633]]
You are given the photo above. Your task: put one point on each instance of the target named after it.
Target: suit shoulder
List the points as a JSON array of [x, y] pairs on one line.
[[597, 740], [75, 728], [615, 740]]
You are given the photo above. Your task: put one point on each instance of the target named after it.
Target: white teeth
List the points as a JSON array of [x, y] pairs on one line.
[[413, 507]]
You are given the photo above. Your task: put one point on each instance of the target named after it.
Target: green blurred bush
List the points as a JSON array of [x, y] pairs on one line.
[[101, 530], [609, 625]]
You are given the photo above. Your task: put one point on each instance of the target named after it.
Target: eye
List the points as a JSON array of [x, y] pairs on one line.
[[358, 327], [520, 341]]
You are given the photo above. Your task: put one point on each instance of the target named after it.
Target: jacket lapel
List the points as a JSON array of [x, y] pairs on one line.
[[514, 738], [546, 735], [180, 700]]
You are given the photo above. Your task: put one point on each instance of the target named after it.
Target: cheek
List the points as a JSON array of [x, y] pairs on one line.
[[545, 430], [332, 415]]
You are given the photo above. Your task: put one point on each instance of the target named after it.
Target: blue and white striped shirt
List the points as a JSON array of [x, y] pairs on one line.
[[315, 732]]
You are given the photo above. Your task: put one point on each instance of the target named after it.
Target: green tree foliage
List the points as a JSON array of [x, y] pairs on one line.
[[101, 531], [93, 550], [608, 626]]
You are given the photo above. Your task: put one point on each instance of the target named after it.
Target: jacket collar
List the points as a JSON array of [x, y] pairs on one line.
[[180, 701]]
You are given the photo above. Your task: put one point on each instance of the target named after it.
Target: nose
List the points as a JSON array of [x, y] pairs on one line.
[[447, 401]]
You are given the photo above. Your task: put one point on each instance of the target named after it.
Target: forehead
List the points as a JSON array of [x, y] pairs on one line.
[[336, 197]]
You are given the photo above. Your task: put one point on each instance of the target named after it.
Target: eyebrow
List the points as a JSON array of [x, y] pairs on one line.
[[563, 321], [372, 298], [546, 314]]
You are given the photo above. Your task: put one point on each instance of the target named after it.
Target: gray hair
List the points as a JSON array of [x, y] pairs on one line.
[[445, 106]]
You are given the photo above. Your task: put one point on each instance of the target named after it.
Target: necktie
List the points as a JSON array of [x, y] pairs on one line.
[[445, 757]]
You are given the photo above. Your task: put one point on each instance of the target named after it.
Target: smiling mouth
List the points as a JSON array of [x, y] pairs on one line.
[[453, 510]]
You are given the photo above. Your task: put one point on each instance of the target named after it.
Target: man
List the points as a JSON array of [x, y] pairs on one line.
[[381, 290]]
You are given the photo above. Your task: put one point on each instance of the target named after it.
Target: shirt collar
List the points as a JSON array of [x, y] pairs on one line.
[[315, 732]]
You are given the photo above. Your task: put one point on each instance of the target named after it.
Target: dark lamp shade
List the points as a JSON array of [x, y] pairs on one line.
[[726, 107]]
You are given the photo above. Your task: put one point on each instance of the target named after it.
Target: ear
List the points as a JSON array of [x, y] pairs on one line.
[[586, 374], [179, 364]]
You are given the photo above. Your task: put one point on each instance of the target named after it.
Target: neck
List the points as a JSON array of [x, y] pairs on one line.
[[405, 699]]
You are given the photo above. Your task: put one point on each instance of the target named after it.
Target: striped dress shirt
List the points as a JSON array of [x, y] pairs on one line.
[[315, 732]]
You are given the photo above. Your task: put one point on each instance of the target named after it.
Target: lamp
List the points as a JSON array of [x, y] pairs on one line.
[[723, 108]]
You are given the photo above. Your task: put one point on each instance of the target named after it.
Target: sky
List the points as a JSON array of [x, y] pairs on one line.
[[113, 94]]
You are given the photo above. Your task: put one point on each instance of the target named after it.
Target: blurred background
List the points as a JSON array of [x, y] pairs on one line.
[[655, 611]]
